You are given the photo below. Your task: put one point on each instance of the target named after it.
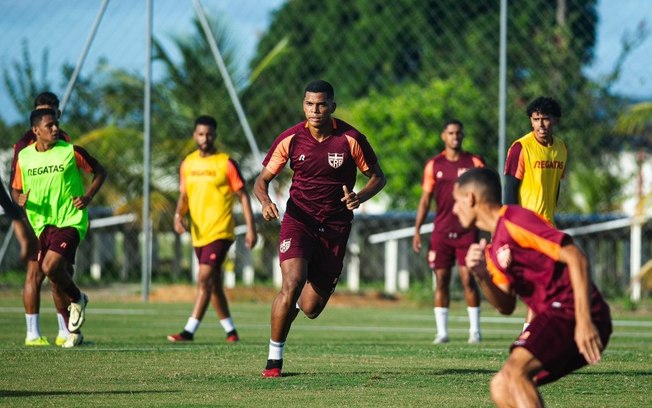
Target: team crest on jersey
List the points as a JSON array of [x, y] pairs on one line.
[[504, 256], [285, 245], [335, 159]]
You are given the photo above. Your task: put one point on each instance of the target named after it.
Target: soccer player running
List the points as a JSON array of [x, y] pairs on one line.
[[34, 276], [535, 165], [324, 153], [449, 241], [209, 181], [48, 185], [531, 259]]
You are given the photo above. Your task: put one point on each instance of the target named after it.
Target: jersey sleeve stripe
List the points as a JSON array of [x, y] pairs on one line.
[[17, 182], [236, 181], [528, 239], [357, 154], [428, 183], [84, 160], [514, 162], [280, 156]]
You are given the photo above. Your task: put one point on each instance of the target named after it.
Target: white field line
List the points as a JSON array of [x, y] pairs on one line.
[[299, 325], [425, 317]]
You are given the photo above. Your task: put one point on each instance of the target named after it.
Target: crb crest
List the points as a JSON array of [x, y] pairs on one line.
[[504, 256], [285, 245], [335, 159]]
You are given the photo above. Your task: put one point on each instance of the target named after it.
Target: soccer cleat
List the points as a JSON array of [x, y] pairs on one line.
[[441, 340], [73, 340], [39, 341], [60, 340], [271, 373], [183, 336], [77, 313], [273, 369], [475, 338], [232, 337]]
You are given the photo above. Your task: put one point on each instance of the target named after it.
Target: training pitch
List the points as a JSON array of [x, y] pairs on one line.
[[356, 355]]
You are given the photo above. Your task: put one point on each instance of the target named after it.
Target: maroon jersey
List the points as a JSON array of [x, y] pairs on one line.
[[320, 170], [524, 254], [27, 139], [439, 177]]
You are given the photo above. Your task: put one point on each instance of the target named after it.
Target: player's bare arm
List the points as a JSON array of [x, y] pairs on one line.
[[250, 237], [512, 186], [180, 225], [19, 197], [587, 337], [374, 184], [261, 190], [99, 175], [500, 296], [422, 213]]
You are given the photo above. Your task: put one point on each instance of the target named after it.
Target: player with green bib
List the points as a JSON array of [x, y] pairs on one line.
[[49, 185]]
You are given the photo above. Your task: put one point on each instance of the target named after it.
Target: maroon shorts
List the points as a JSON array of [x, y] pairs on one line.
[[550, 338], [213, 254], [445, 247], [323, 247], [63, 241]]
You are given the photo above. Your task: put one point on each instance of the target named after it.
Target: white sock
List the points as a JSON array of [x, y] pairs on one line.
[[63, 327], [192, 325], [33, 326], [275, 350], [227, 324], [297, 306], [525, 326], [474, 319], [441, 319]]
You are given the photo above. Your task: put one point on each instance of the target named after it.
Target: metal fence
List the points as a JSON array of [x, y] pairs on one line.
[[400, 70]]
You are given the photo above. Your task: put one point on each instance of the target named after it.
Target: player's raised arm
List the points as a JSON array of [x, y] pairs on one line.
[[499, 295], [374, 184]]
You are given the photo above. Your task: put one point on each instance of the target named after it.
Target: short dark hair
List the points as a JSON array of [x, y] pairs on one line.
[[321, 86], [544, 105], [486, 181], [206, 120], [46, 98], [37, 115], [453, 122]]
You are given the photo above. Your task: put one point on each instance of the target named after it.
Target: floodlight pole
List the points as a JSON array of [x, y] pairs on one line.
[[502, 89], [82, 56], [146, 272]]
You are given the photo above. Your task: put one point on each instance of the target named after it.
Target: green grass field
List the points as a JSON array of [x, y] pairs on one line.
[[372, 356]]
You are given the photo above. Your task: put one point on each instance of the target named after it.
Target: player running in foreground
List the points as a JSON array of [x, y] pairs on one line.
[[531, 259], [325, 154]]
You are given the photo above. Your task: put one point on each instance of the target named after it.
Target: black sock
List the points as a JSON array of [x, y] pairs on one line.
[[187, 335], [232, 333], [274, 364]]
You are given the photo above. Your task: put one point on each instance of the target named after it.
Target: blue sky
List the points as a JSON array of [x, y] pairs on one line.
[[62, 26]]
